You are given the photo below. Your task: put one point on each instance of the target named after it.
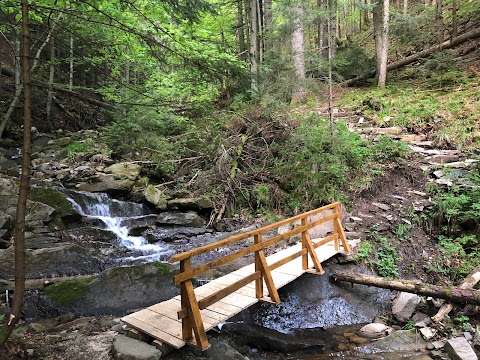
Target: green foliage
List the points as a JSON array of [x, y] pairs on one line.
[[403, 232], [262, 195], [352, 61], [79, 147], [155, 134], [386, 259], [387, 149], [364, 251]]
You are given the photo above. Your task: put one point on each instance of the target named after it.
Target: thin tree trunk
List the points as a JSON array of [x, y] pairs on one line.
[[240, 32], [470, 281], [260, 45], [298, 53], [334, 25], [454, 19], [267, 26], [454, 294], [330, 89], [405, 7], [253, 43], [19, 88], [51, 79], [439, 21], [70, 77], [19, 234]]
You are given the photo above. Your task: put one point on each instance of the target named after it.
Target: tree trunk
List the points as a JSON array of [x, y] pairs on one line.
[[51, 79], [439, 21], [334, 26], [454, 19], [298, 94], [380, 24], [260, 45], [412, 58], [253, 44], [470, 281], [19, 234], [267, 25], [330, 89], [405, 7], [325, 26], [70, 76], [240, 32], [454, 294]]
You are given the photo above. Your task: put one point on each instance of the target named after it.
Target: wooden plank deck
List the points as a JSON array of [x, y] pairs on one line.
[[161, 321]]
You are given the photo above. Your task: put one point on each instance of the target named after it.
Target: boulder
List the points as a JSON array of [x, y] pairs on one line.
[[375, 331], [155, 197], [169, 234], [108, 186], [404, 306], [125, 348], [189, 218], [8, 186], [38, 211], [125, 170], [120, 290], [198, 203], [221, 350], [459, 349]]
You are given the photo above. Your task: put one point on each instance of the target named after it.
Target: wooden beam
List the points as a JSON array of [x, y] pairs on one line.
[[313, 255], [233, 239], [195, 317], [187, 326], [258, 267], [304, 246], [272, 290]]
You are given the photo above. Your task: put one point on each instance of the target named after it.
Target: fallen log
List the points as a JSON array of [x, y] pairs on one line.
[[453, 294], [470, 281], [421, 54]]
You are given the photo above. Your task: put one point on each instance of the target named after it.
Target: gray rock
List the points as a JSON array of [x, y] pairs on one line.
[[172, 233], [428, 333], [190, 204], [404, 305], [155, 197], [108, 186], [444, 158], [375, 330], [138, 335], [221, 350], [164, 348], [189, 218], [459, 349], [125, 348], [126, 170], [38, 211]]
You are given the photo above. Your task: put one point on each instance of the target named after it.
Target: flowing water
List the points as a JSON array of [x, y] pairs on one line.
[[115, 215]]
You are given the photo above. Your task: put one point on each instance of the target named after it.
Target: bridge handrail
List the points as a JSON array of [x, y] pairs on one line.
[[235, 238]]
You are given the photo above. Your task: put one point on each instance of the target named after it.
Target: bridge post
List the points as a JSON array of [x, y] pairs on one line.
[[193, 320], [341, 234], [257, 239], [304, 244]]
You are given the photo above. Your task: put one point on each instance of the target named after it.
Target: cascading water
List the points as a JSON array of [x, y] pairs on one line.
[[114, 214]]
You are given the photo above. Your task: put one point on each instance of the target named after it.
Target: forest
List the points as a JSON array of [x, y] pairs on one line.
[[245, 112]]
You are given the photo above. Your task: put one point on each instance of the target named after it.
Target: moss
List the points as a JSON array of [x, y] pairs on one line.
[[53, 198], [166, 269], [68, 293]]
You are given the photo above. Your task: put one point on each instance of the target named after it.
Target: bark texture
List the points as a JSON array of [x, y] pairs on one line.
[[453, 294], [298, 95]]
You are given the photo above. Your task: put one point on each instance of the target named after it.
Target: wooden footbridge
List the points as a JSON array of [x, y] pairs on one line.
[[187, 317]]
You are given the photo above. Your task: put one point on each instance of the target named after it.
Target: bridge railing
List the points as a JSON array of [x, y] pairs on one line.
[[190, 311]]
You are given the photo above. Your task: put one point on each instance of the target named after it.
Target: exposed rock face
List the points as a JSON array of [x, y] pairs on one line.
[[190, 204], [404, 305], [125, 348], [117, 291], [190, 218], [221, 350], [155, 197], [172, 233], [65, 259], [459, 349]]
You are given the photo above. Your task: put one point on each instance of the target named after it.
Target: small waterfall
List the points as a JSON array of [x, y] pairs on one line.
[[113, 214]]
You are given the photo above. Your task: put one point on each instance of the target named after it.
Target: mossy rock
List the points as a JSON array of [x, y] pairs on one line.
[[70, 292], [54, 198]]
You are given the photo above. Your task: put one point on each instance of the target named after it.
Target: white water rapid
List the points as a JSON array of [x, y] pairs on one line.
[[113, 214]]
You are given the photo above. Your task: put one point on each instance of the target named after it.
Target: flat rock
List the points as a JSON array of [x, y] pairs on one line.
[[404, 305], [128, 170], [108, 186], [459, 349], [199, 203], [428, 333], [443, 159], [189, 218], [375, 330], [125, 348], [221, 350]]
